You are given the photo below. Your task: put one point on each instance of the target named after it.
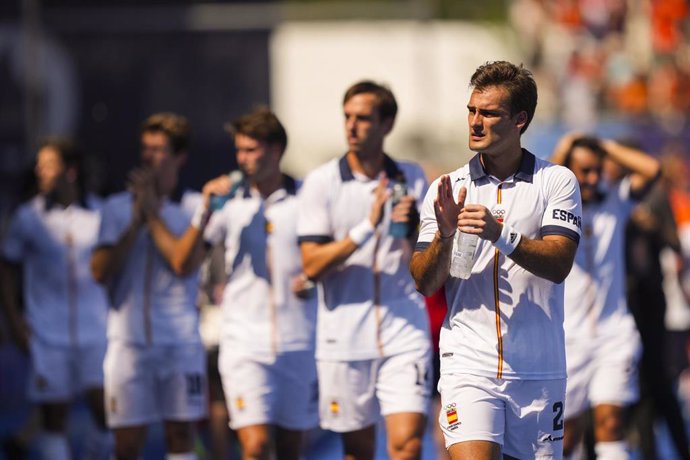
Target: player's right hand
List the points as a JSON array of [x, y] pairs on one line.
[[446, 208], [218, 186]]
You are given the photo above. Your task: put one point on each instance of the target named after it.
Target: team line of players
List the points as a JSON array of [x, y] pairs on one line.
[[358, 349]]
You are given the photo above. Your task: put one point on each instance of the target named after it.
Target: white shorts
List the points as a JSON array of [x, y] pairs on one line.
[[523, 416], [354, 394], [60, 372], [602, 371], [145, 384], [277, 390]]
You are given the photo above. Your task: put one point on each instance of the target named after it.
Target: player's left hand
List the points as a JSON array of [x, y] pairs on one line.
[[402, 211], [477, 219], [147, 194]]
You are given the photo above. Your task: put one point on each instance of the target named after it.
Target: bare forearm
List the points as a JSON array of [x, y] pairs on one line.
[[185, 253], [318, 259], [636, 161], [106, 262], [430, 267], [550, 259]]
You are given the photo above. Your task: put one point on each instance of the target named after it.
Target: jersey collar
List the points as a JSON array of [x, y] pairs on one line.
[[289, 185], [524, 173], [389, 166]]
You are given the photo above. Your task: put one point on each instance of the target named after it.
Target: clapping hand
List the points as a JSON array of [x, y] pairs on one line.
[[446, 208], [142, 184]]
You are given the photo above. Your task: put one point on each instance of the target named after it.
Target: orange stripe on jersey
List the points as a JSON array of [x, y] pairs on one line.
[[376, 270], [72, 288], [497, 304]]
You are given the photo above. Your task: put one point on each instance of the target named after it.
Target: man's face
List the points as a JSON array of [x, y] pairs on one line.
[[156, 153], [493, 129], [155, 148], [49, 169], [364, 130], [586, 166], [258, 160]]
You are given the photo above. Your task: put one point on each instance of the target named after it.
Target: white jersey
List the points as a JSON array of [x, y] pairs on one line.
[[64, 304], [260, 312], [368, 305], [505, 322], [595, 299], [149, 303]]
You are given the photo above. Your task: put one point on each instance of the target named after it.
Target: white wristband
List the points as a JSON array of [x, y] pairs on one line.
[[200, 217], [361, 232], [508, 240]]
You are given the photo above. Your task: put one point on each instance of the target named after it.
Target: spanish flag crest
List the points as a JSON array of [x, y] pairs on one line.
[[452, 416]]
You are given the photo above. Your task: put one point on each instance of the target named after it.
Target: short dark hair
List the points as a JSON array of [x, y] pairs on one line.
[[261, 124], [518, 81], [590, 143], [174, 126], [69, 152], [387, 106]]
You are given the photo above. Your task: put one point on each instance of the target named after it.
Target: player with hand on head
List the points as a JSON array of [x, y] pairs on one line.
[[602, 341]]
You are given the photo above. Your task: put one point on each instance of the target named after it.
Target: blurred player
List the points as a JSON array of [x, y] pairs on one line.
[[267, 338], [155, 363], [373, 349], [602, 342], [50, 239]]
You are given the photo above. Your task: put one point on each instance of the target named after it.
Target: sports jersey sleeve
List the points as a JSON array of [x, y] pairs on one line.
[[14, 245], [563, 215], [427, 216], [215, 230], [313, 222], [111, 225], [190, 201]]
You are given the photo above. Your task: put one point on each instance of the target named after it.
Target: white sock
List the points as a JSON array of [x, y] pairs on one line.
[[185, 456], [53, 446], [616, 450]]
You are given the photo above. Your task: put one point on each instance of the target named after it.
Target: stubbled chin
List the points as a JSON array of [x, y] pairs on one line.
[[476, 146]]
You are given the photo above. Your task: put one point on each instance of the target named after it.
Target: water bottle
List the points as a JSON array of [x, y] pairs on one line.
[[399, 190], [218, 201], [462, 260]]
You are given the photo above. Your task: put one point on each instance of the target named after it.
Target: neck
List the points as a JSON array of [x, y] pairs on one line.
[[65, 196], [504, 165], [269, 185], [370, 165]]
